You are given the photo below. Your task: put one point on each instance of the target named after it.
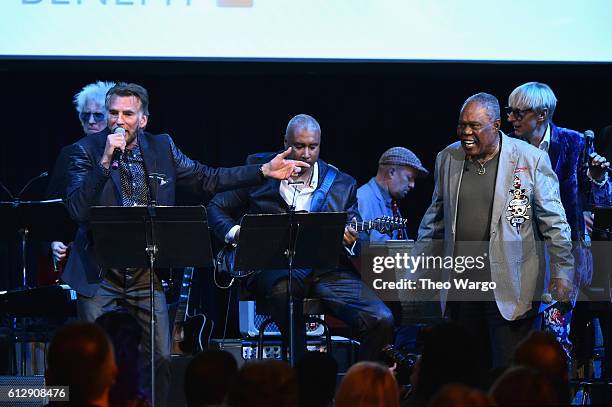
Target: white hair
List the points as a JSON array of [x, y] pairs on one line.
[[94, 91], [534, 95]]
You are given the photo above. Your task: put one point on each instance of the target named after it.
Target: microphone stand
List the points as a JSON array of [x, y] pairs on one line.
[[290, 253], [23, 232], [152, 251]]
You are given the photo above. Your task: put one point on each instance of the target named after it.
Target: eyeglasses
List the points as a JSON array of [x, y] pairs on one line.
[[517, 113], [84, 116]]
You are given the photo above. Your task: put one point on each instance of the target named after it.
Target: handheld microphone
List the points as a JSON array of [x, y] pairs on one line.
[[117, 152], [589, 141]]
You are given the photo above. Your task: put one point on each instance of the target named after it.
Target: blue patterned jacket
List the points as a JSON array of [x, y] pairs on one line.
[[566, 156]]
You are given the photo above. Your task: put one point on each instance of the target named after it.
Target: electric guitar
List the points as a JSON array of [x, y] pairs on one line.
[[385, 225], [191, 333]]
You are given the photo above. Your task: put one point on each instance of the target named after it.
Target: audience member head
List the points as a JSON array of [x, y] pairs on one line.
[[125, 334], [81, 356], [398, 169], [530, 109], [523, 386], [90, 105], [368, 384], [208, 378], [541, 351], [449, 356], [265, 383], [460, 395], [316, 374], [303, 135], [479, 124]]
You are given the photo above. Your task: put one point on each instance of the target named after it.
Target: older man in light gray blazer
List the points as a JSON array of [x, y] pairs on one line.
[[502, 193]]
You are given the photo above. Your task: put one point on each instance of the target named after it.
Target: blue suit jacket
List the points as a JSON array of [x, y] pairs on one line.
[[565, 152], [88, 186]]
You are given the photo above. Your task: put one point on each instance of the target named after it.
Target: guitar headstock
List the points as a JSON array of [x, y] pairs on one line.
[[387, 224]]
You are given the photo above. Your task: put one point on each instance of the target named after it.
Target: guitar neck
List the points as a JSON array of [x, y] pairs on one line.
[[183, 302], [377, 224]]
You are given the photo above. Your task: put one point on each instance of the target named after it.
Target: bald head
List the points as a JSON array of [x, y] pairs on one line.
[[303, 135], [300, 123]]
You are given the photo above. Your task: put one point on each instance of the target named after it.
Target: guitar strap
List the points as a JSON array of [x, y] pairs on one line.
[[319, 195]]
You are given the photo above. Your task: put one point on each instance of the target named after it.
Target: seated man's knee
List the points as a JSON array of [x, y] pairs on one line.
[[385, 319], [381, 320]]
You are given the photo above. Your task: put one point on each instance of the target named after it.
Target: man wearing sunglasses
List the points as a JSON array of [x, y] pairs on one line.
[[89, 104], [530, 110]]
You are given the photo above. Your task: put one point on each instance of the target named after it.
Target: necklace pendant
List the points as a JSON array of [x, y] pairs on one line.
[[481, 170]]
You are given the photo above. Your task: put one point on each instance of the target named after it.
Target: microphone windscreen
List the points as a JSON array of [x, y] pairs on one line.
[[119, 130]]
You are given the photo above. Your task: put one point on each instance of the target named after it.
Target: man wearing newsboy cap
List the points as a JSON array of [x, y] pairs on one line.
[[398, 169]]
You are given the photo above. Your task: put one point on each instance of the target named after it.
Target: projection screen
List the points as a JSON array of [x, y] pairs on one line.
[[379, 30]]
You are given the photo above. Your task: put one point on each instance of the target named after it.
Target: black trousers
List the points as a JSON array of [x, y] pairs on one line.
[[343, 294], [497, 336]]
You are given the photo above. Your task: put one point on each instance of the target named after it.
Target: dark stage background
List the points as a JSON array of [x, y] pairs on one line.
[[219, 112]]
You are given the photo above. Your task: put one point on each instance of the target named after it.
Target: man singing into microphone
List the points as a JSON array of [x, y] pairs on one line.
[[93, 182], [530, 111]]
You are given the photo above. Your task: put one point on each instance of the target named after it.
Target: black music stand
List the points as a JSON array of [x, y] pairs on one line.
[[150, 237], [287, 241], [43, 220]]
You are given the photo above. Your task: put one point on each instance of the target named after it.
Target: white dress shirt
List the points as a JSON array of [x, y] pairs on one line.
[[298, 195]]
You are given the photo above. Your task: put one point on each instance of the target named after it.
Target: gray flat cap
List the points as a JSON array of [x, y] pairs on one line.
[[402, 156]]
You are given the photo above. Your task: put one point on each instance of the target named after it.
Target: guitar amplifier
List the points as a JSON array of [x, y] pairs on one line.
[[250, 322]]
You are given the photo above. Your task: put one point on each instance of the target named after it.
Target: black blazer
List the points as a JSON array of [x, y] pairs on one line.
[[225, 209], [88, 186]]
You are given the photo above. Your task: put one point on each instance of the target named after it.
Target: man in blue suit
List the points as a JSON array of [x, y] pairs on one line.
[[530, 110], [92, 182]]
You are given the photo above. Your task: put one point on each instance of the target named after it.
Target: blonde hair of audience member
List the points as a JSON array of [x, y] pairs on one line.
[[368, 384]]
